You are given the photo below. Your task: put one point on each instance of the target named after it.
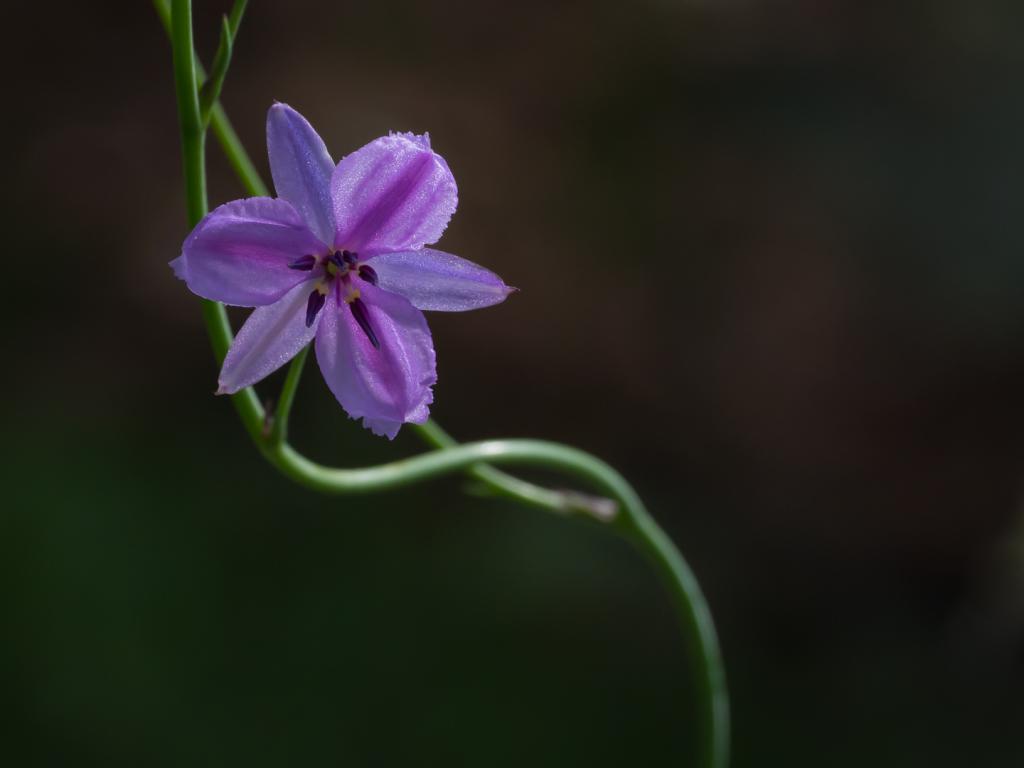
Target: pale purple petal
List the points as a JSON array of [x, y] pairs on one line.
[[393, 194], [302, 168], [388, 386], [439, 281], [269, 338], [239, 253]]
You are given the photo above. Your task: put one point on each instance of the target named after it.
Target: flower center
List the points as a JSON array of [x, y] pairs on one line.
[[339, 271]]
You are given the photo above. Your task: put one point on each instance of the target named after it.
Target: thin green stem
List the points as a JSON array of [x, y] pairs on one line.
[[192, 134], [223, 130], [503, 484], [238, 158], [629, 518], [279, 420], [210, 90], [235, 17], [193, 147], [706, 665]]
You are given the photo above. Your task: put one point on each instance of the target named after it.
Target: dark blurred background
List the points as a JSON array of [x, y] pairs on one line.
[[771, 266]]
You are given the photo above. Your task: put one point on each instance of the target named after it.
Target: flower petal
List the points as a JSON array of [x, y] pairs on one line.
[[269, 338], [388, 386], [439, 281], [301, 167], [394, 194], [239, 253]]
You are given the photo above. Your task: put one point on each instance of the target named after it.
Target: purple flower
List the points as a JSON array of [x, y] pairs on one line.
[[339, 258]]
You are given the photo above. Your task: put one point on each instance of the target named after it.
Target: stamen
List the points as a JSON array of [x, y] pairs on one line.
[[335, 259], [303, 263], [314, 305], [368, 273], [350, 257], [363, 318]]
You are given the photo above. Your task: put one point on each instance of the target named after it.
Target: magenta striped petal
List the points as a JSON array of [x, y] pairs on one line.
[[302, 168], [394, 194], [384, 387], [435, 280], [239, 253]]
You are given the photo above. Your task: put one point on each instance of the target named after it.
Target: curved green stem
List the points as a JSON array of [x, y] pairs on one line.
[[503, 484], [626, 513]]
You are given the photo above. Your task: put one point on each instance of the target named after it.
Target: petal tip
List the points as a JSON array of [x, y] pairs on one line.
[[180, 267], [280, 112], [382, 427]]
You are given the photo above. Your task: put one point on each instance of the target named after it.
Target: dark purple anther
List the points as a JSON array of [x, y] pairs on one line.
[[361, 316], [313, 306], [303, 263], [335, 259], [350, 258], [369, 274]]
